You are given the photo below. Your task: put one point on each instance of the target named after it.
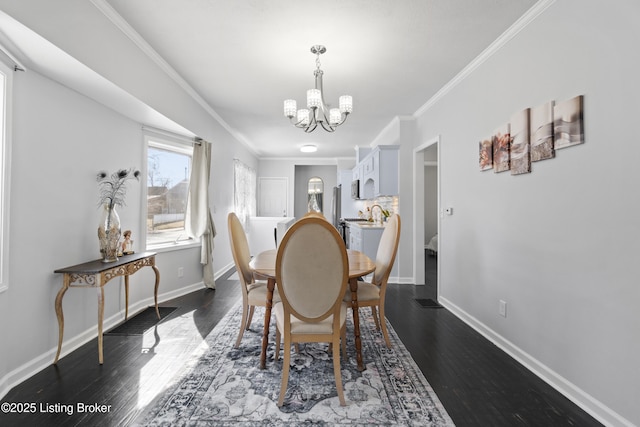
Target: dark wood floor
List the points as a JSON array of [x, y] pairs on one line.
[[478, 384]]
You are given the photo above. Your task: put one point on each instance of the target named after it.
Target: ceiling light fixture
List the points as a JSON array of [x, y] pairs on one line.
[[309, 148], [317, 112]]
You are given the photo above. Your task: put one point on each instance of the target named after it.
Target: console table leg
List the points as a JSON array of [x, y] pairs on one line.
[[59, 314], [100, 317], [155, 289], [126, 297]]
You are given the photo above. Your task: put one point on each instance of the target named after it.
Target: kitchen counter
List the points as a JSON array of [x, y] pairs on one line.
[[364, 236], [367, 225]]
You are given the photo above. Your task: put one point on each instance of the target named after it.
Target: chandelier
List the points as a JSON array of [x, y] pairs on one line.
[[317, 112]]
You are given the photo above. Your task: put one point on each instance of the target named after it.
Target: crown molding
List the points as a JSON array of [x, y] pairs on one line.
[[107, 10], [494, 47]]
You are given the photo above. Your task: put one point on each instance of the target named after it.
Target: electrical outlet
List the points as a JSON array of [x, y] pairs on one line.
[[503, 308], [180, 271]]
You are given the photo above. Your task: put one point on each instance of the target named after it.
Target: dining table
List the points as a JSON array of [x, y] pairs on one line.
[[264, 266]]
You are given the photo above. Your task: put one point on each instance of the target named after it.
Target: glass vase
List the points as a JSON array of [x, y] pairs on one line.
[[109, 233]]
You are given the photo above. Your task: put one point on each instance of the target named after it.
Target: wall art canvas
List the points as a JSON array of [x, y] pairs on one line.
[[501, 140], [519, 151], [486, 154], [541, 119], [568, 123]]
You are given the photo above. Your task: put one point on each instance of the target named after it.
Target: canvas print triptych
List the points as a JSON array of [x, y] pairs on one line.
[[532, 135]]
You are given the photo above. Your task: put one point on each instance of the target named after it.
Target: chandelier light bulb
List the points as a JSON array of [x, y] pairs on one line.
[[334, 116], [290, 107], [303, 116], [313, 98], [346, 104]]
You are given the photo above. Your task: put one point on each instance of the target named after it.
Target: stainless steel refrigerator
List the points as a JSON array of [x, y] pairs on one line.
[[336, 206]]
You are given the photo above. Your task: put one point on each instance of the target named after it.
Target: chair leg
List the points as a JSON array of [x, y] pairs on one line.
[[243, 322], [251, 310], [336, 370], [285, 369], [374, 313], [384, 326], [277, 353]]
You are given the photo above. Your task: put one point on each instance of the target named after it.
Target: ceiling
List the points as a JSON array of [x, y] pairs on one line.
[[244, 57]]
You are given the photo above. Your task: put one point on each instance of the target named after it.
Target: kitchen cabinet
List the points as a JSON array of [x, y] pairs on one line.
[[365, 238], [380, 174]]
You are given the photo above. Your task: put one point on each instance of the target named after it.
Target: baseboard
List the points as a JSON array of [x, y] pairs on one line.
[[401, 280], [588, 403], [39, 363], [225, 272]]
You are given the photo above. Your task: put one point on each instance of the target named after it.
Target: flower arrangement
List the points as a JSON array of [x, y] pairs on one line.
[[113, 187], [113, 190]]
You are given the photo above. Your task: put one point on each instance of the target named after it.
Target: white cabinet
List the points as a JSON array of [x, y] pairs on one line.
[[380, 172], [365, 238]]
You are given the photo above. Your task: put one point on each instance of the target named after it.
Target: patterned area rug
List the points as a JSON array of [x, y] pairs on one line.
[[223, 386]]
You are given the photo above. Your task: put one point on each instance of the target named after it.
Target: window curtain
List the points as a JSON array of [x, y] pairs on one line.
[[198, 219], [244, 192]]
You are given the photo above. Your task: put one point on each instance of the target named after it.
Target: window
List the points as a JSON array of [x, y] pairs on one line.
[[168, 172], [5, 97], [244, 192]]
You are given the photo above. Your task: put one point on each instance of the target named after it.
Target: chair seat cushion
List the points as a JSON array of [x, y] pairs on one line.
[[366, 292], [258, 293], [300, 327]]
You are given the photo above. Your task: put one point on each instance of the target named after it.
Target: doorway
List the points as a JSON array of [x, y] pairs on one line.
[[427, 214]]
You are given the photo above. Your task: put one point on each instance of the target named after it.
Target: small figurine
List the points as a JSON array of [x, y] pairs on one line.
[[127, 243]]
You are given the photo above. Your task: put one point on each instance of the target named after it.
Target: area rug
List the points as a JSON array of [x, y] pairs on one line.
[[223, 386], [142, 321]]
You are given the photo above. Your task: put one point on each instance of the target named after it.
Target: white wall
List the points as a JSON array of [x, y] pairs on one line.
[[61, 139], [402, 131], [559, 245]]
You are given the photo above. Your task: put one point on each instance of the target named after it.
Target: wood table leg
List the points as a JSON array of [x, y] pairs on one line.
[[59, 314], [353, 284], [126, 297], [100, 317], [271, 284], [155, 289]]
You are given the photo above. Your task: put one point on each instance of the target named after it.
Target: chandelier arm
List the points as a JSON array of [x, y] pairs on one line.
[[296, 123], [328, 127], [344, 119]]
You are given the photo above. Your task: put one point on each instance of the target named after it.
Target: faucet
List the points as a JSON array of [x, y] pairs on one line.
[[381, 214]]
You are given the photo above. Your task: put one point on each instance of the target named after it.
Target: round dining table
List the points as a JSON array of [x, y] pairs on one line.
[[264, 266]]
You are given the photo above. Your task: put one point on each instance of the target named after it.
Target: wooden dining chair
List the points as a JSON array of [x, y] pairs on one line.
[[254, 292], [372, 294], [312, 272], [314, 214]]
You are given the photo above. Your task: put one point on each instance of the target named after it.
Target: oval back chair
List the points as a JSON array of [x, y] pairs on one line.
[[312, 271]]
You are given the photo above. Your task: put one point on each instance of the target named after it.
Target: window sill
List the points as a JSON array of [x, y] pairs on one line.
[[170, 247]]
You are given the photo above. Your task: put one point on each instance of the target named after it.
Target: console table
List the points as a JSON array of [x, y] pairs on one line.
[[96, 274]]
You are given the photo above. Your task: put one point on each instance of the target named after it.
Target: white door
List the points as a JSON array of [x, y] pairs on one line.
[[272, 196]]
